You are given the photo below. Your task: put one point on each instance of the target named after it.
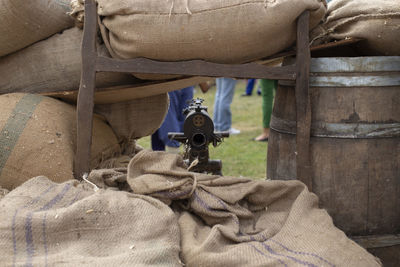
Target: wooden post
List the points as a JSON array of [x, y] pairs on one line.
[[86, 92], [303, 106]]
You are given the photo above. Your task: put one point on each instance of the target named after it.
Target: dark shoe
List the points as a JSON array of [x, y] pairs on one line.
[[265, 139]]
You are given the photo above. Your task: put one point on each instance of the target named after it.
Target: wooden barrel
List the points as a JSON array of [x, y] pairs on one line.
[[355, 141]]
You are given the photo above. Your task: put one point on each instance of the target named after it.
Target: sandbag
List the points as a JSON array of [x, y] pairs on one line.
[[38, 137], [135, 118], [227, 31], [52, 65], [217, 221], [375, 21], [230, 221], [25, 22], [49, 224], [55, 65]]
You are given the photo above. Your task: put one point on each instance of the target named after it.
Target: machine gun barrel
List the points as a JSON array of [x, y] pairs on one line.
[[198, 134]]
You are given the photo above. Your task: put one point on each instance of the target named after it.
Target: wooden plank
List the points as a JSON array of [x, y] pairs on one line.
[[377, 241], [303, 106], [196, 68], [86, 92], [132, 91]]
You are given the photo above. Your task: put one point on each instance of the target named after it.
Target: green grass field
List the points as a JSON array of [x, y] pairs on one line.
[[240, 155]]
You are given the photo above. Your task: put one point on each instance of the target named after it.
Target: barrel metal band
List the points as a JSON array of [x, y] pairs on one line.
[[340, 130], [355, 64], [353, 81]]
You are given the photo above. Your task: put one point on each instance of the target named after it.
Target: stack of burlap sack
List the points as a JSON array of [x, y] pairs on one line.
[[40, 51], [376, 22], [168, 216], [38, 135], [153, 212], [41, 48]]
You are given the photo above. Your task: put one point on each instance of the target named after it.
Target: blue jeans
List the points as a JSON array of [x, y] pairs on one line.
[[222, 105], [174, 120], [250, 86]]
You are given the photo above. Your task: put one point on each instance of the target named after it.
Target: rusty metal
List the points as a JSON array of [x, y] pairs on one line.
[[340, 130]]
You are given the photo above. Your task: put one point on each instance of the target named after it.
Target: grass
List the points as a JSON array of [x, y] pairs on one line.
[[240, 155]]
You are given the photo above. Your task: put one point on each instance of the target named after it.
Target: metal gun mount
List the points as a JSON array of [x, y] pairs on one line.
[[198, 133]]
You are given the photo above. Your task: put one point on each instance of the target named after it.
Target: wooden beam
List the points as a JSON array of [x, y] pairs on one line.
[[303, 106], [86, 92], [377, 241], [196, 68]]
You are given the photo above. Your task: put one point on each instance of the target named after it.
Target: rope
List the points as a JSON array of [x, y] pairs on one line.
[[84, 177], [170, 10], [187, 7]]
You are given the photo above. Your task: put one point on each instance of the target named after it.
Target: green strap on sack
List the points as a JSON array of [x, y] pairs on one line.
[[15, 125]]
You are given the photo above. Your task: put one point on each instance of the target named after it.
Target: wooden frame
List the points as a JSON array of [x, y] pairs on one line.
[[92, 63]]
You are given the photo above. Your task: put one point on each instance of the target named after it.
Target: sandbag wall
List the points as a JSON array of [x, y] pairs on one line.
[[174, 218], [23, 23], [40, 52], [212, 220]]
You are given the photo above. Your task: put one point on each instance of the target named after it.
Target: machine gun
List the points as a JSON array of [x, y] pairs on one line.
[[198, 133]]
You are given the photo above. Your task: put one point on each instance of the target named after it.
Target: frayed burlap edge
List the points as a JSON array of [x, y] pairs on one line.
[[323, 32]]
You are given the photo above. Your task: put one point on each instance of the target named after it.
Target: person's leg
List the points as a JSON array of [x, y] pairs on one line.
[[267, 92], [217, 103], [173, 121], [185, 94], [156, 143], [223, 100], [249, 87], [258, 88], [181, 99], [170, 123]]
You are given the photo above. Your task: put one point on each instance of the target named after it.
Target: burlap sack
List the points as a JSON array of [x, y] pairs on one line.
[[38, 137], [228, 221], [218, 221], [78, 12], [24, 22], [226, 31], [55, 65], [136, 118], [378, 22], [48, 224], [52, 65]]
